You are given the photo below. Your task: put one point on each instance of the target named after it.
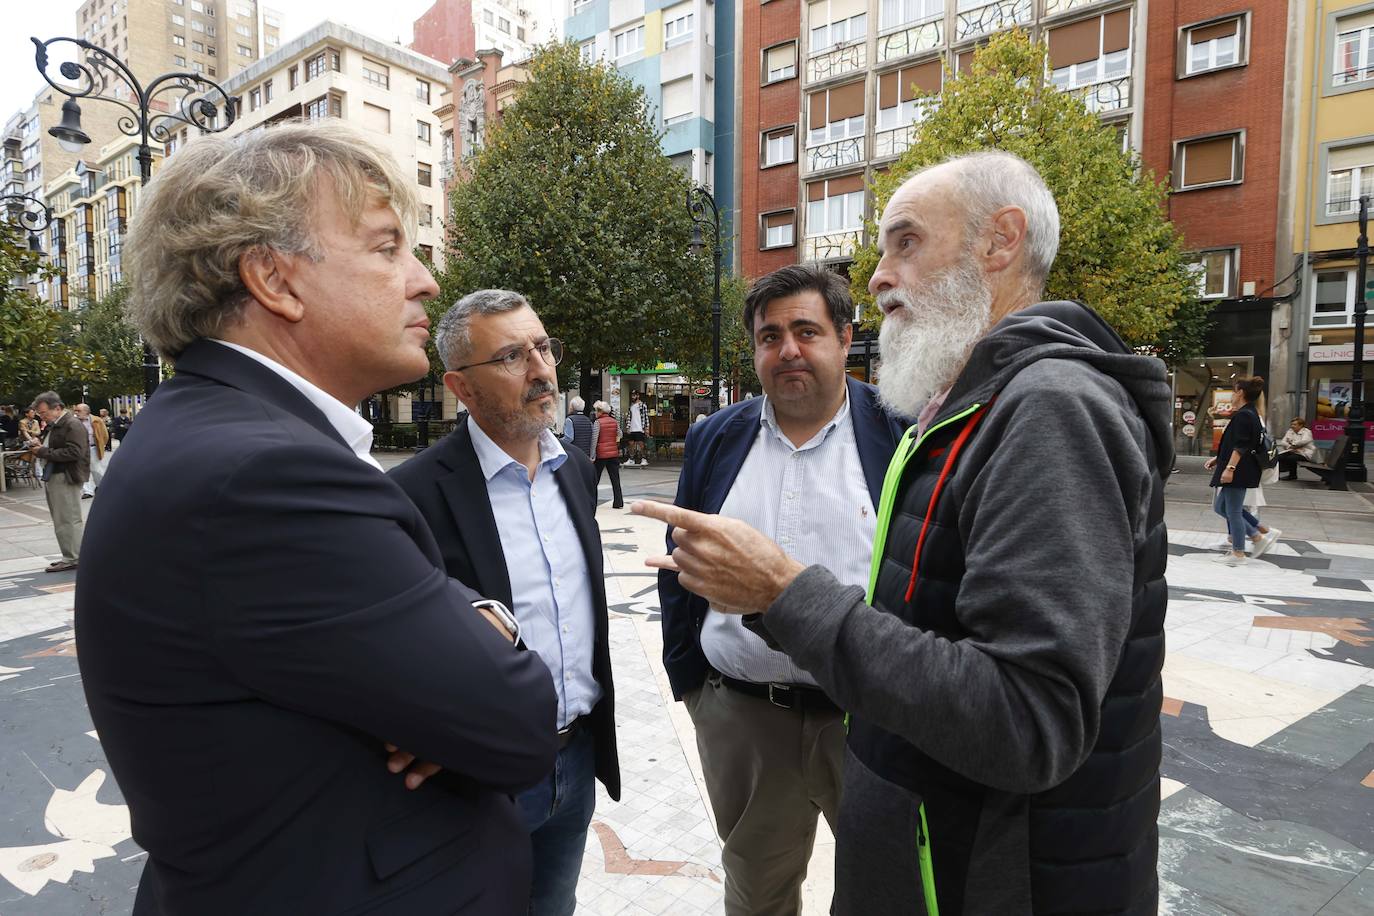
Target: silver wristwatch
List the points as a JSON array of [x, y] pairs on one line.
[[503, 614]]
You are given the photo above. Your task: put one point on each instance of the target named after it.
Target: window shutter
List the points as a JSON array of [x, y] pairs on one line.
[[1207, 161], [847, 101], [927, 77], [774, 220], [817, 103], [846, 185], [1350, 157], [1207, 33], [815, 191], [1076, 43], [1116, 31], [887, 90]]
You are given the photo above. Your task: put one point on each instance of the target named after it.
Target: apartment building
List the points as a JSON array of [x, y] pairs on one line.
[[453, 30]]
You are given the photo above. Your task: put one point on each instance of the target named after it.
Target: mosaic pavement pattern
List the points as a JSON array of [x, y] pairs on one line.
[[1268, 730]]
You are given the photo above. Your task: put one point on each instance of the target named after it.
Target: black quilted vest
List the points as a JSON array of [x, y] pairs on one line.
[[1092, 839], [581, 432]]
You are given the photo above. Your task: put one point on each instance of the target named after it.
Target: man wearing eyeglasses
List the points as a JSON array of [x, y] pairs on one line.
[[515, 518]]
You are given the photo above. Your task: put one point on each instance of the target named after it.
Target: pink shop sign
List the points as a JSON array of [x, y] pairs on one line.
[[1326, 430]]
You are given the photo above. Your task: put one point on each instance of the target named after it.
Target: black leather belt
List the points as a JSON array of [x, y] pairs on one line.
[[569, 732], [786, 696]]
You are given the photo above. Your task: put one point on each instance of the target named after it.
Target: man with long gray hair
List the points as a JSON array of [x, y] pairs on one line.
[[262, 613], [1002, 670], [514, 513]]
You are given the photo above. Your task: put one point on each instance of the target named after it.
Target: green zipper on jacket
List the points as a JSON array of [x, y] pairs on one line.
[[891, 481]]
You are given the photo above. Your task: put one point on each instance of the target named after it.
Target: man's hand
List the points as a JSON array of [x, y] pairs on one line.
[[400, 759], [723, 560], [1210, 463]]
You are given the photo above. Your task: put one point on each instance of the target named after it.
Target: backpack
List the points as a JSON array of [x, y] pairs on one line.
[[1266, 450]]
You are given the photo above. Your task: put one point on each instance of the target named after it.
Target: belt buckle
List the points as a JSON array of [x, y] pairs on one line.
[[778, 692]]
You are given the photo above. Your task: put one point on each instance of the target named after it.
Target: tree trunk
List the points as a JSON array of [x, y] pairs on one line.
[[584, 388]]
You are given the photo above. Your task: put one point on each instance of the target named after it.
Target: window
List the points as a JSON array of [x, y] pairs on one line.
[[270, 41], [210, 30], [197, 66], [836, 114], [422, 131], [197, 25], [778, 146], [836, 205], [1091, 50], [180, 42], [272, 22], [1354, 61], [1214, 271], [210, 49], [210, 70], [488, 18], [427, 252], [178, 19], [1349, 176], [778, 229], [376, 74], [677, 25], [197, 6], [178, 60], [580, 5], [1333, 303], [1212, 46], [503, 25], [630, 41], [254, 99], [243, 30], [837, 22], [519, 33], [245, 51], [317, 65], [677, 101], [780, 63], [588, 51], [894, 13], [377, 118], [900, 100], [1209, 161], [292, 78], [326, 106], [424, 174], [422, 90], [426, 215], [195, 45], [267, 92], [245, 10]]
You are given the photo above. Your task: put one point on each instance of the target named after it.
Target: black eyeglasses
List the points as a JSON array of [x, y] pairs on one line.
[[517, 362]]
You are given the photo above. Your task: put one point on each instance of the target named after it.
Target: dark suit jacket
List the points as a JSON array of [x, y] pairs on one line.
[[257, 611], [446, 483], [714, 452], [68, 448]]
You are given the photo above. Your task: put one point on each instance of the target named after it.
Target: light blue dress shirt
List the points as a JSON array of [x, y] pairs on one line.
[[547, 569]]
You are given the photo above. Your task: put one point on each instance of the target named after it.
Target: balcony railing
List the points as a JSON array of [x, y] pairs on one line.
[[446, 170], [991, 17], [1055, 7], [894, 142], [914, 39], [831, 246], [837, 62], [1108, 96], [833, 155]]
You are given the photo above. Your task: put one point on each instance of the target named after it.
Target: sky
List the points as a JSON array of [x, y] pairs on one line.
[[19, 79]]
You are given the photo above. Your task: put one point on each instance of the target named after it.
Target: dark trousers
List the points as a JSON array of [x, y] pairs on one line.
[[1288, 463], [611, 466], [557, 813]]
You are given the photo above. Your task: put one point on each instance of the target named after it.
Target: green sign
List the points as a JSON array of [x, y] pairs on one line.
[[1369, 291]]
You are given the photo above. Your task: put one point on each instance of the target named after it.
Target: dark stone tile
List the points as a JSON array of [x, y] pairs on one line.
[[1355, 899], [1333, 734]]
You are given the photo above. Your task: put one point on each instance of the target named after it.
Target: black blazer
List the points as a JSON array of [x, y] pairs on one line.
[[1243, 433], [714, 452], [446, 483], [257, 611]]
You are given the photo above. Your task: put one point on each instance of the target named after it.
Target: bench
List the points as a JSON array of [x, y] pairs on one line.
[[1332, 470]]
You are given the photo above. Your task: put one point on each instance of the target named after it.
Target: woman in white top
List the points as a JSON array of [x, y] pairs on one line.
[[1296, 445]]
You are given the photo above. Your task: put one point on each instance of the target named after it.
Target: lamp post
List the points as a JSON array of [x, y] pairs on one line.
[[699, 202], [34, 215], [1354, 466], [149, 115]]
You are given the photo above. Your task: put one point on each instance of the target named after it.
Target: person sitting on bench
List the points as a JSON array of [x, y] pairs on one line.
[[1296, 445]]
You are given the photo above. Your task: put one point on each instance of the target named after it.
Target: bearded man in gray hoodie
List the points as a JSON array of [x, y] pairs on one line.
[[1002, 670]]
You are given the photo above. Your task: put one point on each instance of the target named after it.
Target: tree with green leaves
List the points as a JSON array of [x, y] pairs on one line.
[[571, 202], [105, 332], [37, 342], [1118, 252]]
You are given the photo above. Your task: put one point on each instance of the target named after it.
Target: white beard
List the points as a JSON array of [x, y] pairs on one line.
[[925, 341]]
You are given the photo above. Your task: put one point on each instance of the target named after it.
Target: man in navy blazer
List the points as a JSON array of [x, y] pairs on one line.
[[804, 463], [507, 530], [259, 609]]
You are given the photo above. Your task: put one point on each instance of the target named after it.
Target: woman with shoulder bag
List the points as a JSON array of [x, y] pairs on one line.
[[1235, 470]]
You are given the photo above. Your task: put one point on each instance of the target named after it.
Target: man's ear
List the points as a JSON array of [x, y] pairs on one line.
[[458, 384], [267, 275], [1006, 239]]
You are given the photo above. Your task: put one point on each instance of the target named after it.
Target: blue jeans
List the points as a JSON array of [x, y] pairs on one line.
[[557, 813], [1230, 505]]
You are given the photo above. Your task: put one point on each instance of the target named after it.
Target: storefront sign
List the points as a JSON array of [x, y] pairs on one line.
[[1327, 430], [1189, 416], [1338, 353], [1190, 430]]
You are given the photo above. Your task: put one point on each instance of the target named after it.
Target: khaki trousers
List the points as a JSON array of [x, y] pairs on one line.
[[769, 772], [64, 504]]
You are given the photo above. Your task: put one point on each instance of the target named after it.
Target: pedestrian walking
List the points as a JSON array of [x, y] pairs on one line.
[[119, 427], [636, 427], [1235, 470], [100, 441], [607, 451], [67, 466], [1004, 743], [579, 429], [1295, 446]]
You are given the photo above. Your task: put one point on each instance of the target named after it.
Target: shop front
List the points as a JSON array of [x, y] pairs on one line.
[[1330, 368], [674, 400], [1204, 391]]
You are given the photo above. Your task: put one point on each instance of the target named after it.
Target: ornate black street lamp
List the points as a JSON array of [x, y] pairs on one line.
[[30, 213], [699, 201], [152, 110], [1354, 466]]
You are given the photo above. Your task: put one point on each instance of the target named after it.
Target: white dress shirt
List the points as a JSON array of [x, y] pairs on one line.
[[347, 422], [549, 584], [813, 501]]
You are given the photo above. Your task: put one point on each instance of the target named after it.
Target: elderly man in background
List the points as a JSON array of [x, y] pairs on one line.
[[259, 623], [68, 466], [1003, 670], [99, 437]]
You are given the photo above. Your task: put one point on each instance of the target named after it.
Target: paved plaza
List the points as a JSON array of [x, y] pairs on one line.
[[1268, 726]]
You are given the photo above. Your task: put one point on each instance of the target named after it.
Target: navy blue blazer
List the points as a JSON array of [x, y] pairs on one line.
[[257, 612], [714, 452], [446, 483]]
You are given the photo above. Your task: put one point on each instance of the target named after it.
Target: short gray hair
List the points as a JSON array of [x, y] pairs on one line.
[[452, 337], [602, 407], [577, 405], [48, 399], [222, 198], [992, 179]]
